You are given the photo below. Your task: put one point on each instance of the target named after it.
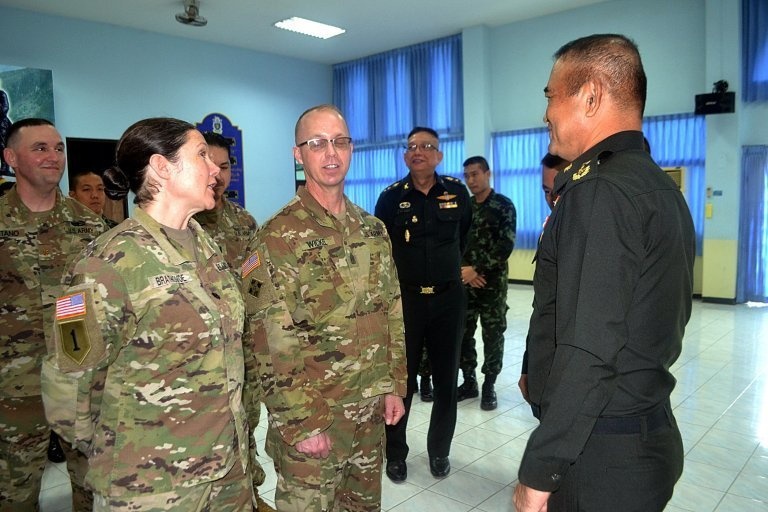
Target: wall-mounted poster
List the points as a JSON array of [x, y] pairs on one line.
[[24, 92], [219, 123]]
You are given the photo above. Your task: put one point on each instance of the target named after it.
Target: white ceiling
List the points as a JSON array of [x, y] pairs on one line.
[[372, 26]]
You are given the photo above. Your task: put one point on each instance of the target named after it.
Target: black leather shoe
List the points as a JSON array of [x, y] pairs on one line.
[[55, 453], [488, 401], [468, 389], [397, 471], [426, 390], [439, 466]]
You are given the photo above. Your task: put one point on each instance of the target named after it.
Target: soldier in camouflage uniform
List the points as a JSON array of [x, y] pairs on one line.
[[484, 272], [41, 233], [231, 227], [324, 308], [148, 341]]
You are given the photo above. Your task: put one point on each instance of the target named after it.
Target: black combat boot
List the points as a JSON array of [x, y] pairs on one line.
[[469, 388], [55, 453], [426, 389], [488, 401]]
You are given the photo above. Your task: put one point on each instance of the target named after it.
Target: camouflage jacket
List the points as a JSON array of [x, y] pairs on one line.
[[35, 251], [323, 306], [152, 342], [230, 227], [492, 235]]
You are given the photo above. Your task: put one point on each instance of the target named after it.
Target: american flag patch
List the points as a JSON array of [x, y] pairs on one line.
[[250, 264], [71, 305]]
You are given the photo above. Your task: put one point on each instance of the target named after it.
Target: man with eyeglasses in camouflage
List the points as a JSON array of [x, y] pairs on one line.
[[428, 218], [326, 322]]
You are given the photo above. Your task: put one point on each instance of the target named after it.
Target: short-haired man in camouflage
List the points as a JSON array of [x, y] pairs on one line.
[[324, 308], [148, 341], [484, 272], [41, 233]]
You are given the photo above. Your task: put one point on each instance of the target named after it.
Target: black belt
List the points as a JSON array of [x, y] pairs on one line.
[[654, 420], [434, 289]]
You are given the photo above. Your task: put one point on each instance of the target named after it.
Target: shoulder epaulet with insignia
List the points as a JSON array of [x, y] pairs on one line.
[[451, 178], [394, 185]]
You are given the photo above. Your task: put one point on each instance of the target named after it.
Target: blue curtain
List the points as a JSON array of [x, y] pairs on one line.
[[754, 50], [675, 140], [384, 96], [680, 140], [517, 174], [752, 273]]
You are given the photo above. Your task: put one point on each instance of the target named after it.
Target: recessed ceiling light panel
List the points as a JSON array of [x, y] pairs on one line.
[[309, 27]]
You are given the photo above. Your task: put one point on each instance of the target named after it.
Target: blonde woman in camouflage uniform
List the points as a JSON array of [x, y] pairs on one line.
[[149, 331]]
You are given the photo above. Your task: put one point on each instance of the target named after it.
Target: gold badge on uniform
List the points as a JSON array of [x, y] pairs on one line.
[[404, 205], [407, 236], [583, 171], [452, 204], [414, 219], [446, 196]]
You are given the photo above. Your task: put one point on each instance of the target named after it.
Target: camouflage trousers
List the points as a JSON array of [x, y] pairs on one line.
[[233, 493], [489, 304], [24, 436], [349, 479]]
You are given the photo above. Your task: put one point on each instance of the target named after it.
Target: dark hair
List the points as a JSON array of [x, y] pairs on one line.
[[218, 140], [324, 106], [155, 136], [419, 129], [74, 177], [477, 160], [23, 123], [554, 162], [614, 60]]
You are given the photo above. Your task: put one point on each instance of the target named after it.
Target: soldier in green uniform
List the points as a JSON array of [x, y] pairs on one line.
[[231, 227], [324, 308], [41, 233], [148, 341], [484, 273]]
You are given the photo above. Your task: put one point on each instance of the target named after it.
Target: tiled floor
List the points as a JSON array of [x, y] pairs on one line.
[[721, 404]]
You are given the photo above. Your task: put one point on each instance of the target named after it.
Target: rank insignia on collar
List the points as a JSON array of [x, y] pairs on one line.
[[446, 197], [583, 171], [404, 205], [406, 186], [568, 167]]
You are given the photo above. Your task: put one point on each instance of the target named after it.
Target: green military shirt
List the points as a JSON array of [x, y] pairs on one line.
[[492, 236], [153, 342], [35, 251], [230, 227], [325, 314]]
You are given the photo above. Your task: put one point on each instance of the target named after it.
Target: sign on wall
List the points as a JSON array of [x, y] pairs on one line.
[[219, 123], [24, 93]]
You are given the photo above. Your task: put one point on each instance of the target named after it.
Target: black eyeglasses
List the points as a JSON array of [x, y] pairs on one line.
[[424, 147], [318, 144]]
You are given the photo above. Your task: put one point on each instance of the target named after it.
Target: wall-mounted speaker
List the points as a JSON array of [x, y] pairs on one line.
[[715, 103]]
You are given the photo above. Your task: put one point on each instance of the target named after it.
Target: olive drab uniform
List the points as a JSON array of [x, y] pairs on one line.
[[429, 235], [324, 308], [35, 251], [231, 227], [148, 347], [491, 240]]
